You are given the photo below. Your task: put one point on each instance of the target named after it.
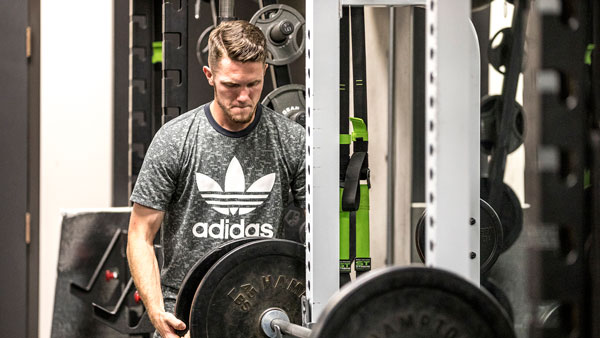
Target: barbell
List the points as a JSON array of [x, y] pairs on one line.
[[257, 287]]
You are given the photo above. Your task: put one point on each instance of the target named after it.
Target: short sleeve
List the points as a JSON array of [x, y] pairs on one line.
[[159, 174], [299, 179]]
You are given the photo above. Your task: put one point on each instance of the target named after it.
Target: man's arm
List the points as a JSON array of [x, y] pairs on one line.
[[143, 226]]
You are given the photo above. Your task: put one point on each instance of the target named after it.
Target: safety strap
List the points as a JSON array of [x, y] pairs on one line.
[[360, 140], [346, 252], [345, 137], [354, 204]]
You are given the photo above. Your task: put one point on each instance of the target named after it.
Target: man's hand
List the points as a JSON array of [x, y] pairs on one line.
[[166, 323]]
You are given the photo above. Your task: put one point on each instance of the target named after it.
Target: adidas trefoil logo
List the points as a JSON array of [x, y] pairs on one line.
[[233, 199]]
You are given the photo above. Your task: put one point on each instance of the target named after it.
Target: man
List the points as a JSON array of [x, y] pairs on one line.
[[219, 172]]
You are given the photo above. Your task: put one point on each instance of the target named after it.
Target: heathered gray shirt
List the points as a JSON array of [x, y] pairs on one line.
[[216, 185]]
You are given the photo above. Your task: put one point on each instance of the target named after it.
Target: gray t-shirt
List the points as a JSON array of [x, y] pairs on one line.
[[216, 185]]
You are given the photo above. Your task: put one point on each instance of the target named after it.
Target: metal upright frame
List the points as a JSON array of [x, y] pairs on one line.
[[452, 142], [452, 139]]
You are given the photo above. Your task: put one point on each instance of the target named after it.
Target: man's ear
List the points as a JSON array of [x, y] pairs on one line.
[[209, 75], [266, 66]]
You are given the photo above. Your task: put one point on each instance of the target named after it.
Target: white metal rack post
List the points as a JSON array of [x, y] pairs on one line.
[[452, 136], [322, 153], [452, 139]]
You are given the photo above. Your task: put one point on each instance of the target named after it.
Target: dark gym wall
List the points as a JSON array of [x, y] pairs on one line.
[[19, 136], [33, 187]]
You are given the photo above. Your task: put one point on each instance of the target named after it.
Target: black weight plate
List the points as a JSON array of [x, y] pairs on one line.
[[196, 274], [202, 46], [490, 129], [246, 282], [490, 236], [289, 101], [495, 290], [412, 302], [293, 223], [510, 212], [499, 49]]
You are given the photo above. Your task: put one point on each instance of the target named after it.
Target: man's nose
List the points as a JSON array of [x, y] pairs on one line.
[[244, 94]]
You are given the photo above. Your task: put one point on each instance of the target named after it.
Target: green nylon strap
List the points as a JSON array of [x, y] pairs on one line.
[[345, 139], [363, 248], [157, 52], [588, 53], [587, 182], [359, 129], [344, 231]]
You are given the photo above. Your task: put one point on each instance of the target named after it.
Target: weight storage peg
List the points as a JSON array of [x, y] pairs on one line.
[[111, 274]]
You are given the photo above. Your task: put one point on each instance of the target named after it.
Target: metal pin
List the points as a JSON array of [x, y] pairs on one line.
[[197, 10]]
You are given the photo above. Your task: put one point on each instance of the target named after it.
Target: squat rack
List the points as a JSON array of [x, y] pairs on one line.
[[452, 141]]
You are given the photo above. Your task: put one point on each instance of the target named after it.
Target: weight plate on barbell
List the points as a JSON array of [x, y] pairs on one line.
[[490, 236], [402, 302], [490, 128], [288, 100], [282, 26], [509, 211], [243, 284], [495, 290], [196, 274]]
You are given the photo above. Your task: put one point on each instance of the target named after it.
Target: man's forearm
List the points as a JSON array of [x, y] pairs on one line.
[[145, 273]]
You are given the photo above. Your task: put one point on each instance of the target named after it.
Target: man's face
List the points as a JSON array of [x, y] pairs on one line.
[[237, 89]]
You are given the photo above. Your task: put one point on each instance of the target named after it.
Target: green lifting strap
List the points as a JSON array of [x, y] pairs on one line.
[[587, 182], [345, 261], [588, 53], [157, 52], [362, 224], [345, 138], [359, 129], [362, 262]]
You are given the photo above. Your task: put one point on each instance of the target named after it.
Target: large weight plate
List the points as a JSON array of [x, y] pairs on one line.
[[490, 236], [202, 46], [490, 128], [509, 211], [412, 302], [196, 274], [495, 290], [289, 101], [245, 283], [268, 19]]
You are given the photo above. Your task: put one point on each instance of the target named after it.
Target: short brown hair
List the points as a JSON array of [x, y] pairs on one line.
[[238, 40]]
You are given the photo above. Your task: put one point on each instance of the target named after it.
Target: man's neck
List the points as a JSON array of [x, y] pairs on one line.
[[221, 118]]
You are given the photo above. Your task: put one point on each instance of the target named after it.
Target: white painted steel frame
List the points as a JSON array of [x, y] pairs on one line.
[[452, 138], [454, 185], [322, 153]]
